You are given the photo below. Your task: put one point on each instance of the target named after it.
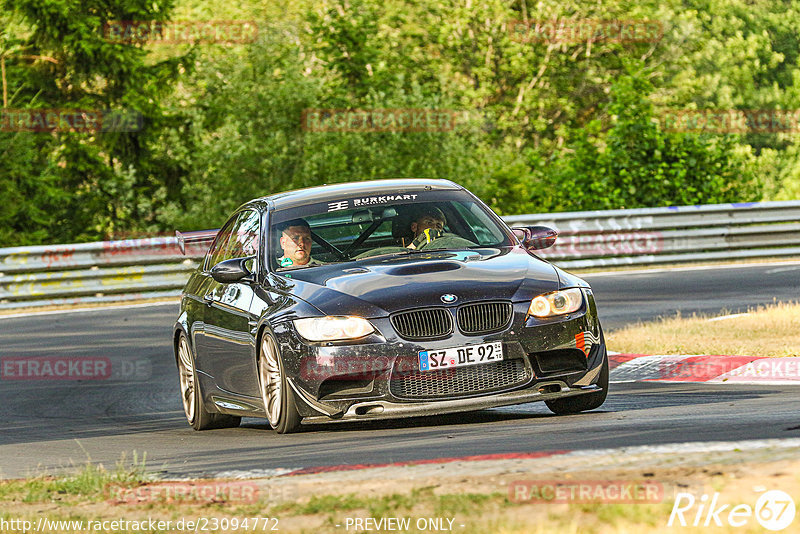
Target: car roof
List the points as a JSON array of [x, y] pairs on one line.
[[310, 195]]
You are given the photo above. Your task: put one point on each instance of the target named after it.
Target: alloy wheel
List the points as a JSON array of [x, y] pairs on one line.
[[186, 372], [270, 374]]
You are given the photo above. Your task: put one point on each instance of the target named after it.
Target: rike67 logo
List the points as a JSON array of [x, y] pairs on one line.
[[774, 510]]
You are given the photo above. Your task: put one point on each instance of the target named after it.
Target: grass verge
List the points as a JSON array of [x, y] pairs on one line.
[[87, 483], [81, 498], [483, 507], [765, 331]]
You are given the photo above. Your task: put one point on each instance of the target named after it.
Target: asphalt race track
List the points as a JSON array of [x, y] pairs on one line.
[[645, 295], [48, 425]]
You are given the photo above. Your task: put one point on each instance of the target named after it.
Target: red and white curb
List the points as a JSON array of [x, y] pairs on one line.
[[707, 368], [258, 473]]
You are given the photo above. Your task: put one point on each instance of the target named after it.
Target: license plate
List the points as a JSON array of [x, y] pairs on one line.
[[430, 360]]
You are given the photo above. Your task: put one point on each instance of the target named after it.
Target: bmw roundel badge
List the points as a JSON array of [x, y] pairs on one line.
[[449, 298]]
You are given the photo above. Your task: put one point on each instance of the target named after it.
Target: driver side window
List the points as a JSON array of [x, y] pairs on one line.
[[237, 239], [244, 236], [218, 246]]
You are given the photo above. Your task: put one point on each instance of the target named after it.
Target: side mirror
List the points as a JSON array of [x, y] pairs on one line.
[[230, 271], [535, 237]]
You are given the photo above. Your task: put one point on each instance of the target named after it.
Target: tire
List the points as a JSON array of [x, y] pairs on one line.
[[191, 396], [280, 406], [588, 401]]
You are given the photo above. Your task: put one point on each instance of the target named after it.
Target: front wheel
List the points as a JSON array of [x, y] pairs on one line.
[[587, 401], [278, 397], [196, 414]]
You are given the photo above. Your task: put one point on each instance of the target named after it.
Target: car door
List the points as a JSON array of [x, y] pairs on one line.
[[228, 344], [202, 289]]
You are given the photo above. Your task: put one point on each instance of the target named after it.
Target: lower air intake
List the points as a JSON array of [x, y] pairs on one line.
[[458, 381]]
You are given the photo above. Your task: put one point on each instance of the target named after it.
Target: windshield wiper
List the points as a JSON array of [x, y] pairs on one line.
[[396, 252]]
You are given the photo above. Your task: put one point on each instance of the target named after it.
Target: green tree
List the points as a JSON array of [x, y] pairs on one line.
[[636, 164], [84, 70], [547, 125], [251, 140]]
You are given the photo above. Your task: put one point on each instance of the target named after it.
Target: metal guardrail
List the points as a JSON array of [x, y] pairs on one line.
[[649, 236], [94, 272], [155, 267]]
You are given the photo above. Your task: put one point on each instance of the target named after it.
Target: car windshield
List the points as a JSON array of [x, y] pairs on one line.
[[352, 229]]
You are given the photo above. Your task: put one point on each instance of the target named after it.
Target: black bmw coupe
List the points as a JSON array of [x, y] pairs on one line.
[[382, 299]]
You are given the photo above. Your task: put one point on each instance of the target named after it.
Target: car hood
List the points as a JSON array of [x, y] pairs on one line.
[[378, 286]]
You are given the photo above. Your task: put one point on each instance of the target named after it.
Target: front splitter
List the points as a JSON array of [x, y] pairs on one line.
[[377, 410]]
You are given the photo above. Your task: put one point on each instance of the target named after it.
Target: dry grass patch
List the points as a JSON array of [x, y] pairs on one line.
[[766, 331]]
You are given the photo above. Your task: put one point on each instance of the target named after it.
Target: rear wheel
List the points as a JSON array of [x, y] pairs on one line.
[[587, 401], [277, 394], [191, 396]]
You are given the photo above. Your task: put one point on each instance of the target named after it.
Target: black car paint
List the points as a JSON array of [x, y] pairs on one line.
[[386, 285], [225, 322]]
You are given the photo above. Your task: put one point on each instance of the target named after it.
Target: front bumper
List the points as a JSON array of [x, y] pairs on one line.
[[560, 357], [373, 410]]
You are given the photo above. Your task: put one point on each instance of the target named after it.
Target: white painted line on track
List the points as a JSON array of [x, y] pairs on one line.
[[95, 309], [255, 473], [681, 269], [781, 269], [725, 317]]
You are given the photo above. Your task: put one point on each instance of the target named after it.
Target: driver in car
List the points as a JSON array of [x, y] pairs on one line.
[[296, 244], [427, 225]]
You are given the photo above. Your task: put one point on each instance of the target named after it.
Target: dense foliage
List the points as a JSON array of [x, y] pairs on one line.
[[541, 124]]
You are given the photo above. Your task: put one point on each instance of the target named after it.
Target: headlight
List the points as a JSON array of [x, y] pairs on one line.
[[556, 303], [333, 328]]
